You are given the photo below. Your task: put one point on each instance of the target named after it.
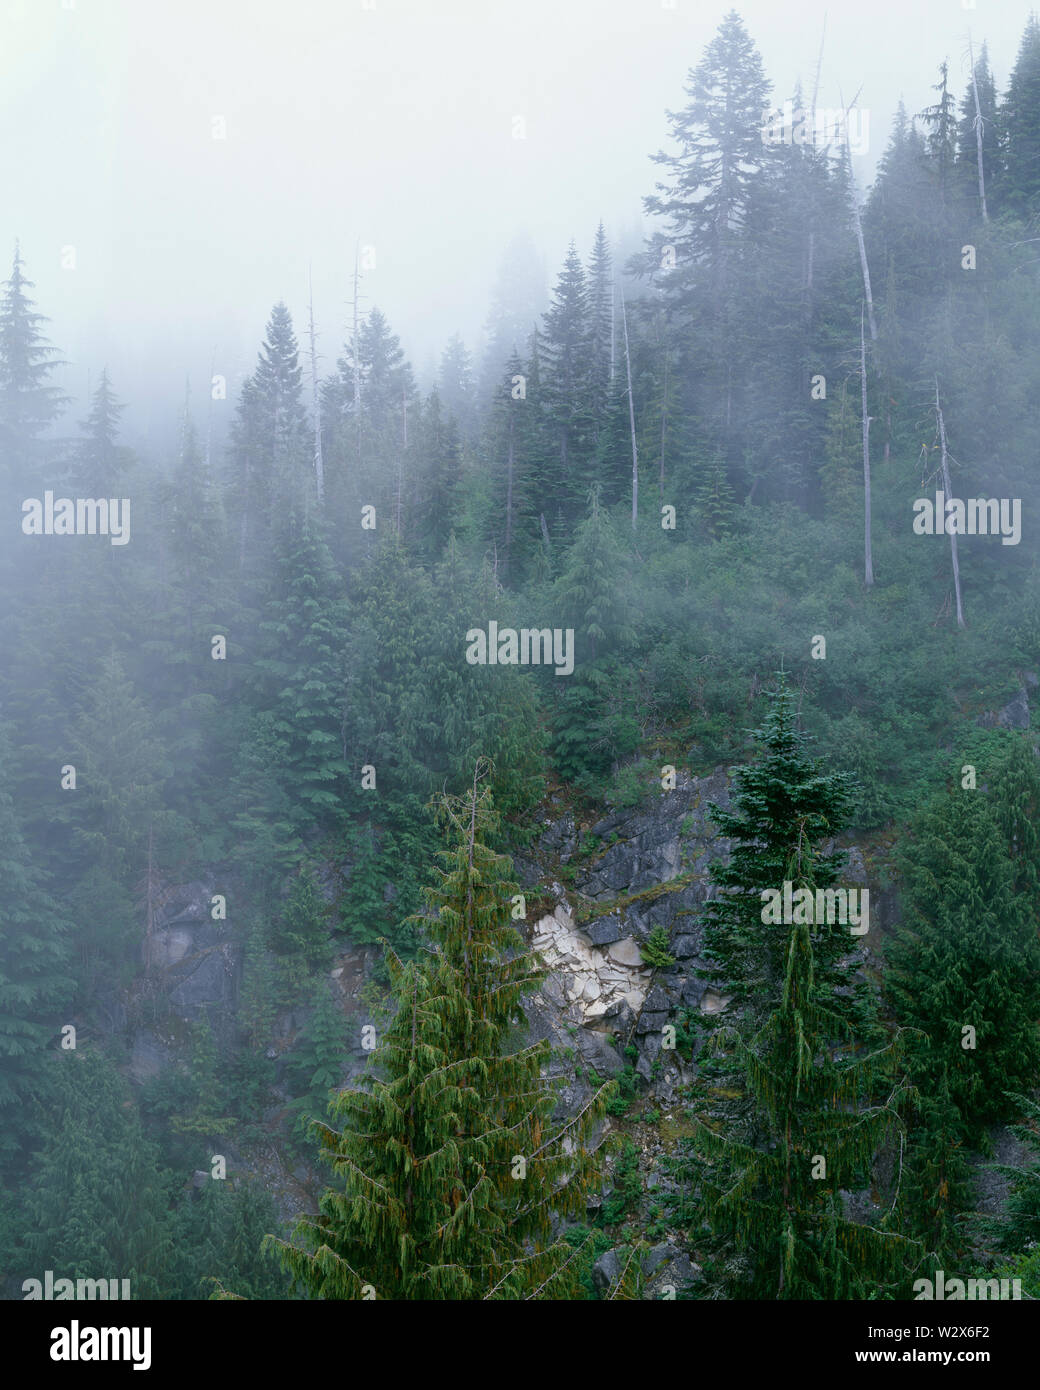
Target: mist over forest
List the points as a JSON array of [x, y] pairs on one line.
[[556, 816]]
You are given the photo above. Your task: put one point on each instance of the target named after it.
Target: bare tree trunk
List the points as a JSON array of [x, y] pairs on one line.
[[631, 415], [664, 414], [868, 559], [854, 204], [149, 929], [613, 296], [979, 127], [947, 494], [811, 246], [355, 353], [509, 492], [319, 468]]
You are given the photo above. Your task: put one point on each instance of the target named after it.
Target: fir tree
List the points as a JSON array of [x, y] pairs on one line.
[[456, 384], [271, 446], [798, 1095], [34, 966], [964, 968], [451, 1170], [712, 180], [28, 403], [565, 343], [1020, 126], [100, 462]]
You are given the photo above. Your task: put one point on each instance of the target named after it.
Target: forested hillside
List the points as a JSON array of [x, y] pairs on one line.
[[333, 754]]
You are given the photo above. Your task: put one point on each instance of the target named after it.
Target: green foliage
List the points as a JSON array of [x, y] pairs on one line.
[[429, 1200], [964, 968], [627, 1185], [794, 1105], [654, 949]]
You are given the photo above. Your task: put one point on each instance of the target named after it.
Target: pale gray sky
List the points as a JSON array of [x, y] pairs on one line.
[[388, 121]]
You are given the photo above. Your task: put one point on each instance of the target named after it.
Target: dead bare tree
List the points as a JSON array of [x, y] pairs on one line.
[[944, 466], [319, 468], [979, 126], [868, 559], [631, 413], [858, 225]]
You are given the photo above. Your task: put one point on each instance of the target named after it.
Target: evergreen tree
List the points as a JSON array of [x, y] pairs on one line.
[[566, 348], [316, 1065], [96, 1204], [298, 677], [304, 924], [1020, 126], [34, 967], [601, 370], [28, 403], [100, 462], [1017, 1229], [712, 180], [271, 445], [941, 122], [456, 384], [451, 1171], [937, 1181], [964, 968], [1014, 793], [793, 1105]]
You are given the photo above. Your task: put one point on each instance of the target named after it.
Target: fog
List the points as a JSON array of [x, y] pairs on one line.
[[385, 123]]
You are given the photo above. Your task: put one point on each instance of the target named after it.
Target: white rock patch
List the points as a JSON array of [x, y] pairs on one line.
[[594, 979]]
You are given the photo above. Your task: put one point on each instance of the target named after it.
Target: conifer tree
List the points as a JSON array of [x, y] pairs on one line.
[[456, 384], [100, 462], [566, 346], [270, 455], [97, 1202], [1014, 793], [316, 1065], [798, 1094], [964, 968], [602, 344], [34, 965], [451, 1170], [936, 1187], [28, 403], [713, 179], [1020, 127]]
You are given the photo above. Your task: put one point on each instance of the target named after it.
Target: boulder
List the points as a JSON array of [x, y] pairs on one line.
[[626, 952]]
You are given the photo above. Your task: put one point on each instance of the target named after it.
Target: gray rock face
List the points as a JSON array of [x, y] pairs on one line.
[[147, 1057], [605, 930], [204, 979], [1014, 715], [607, 1269]]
